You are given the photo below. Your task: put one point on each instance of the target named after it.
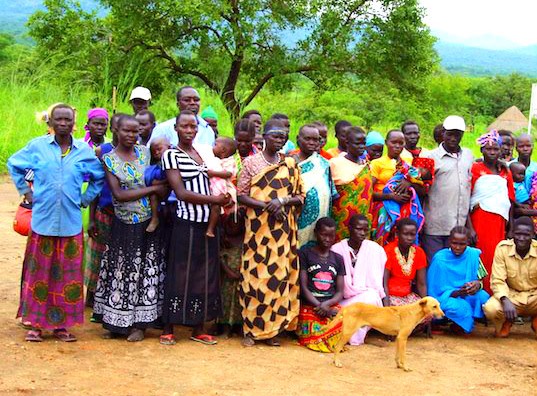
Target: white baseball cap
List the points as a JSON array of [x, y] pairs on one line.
[[140, 93], [454, 122]]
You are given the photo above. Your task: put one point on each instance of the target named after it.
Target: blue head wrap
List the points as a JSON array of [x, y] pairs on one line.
[[372, 138]]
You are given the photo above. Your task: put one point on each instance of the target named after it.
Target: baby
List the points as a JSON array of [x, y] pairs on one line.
[[522, 195], [221, 169], [155, 174]]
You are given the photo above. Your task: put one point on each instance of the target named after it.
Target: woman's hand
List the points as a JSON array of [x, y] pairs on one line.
[[400, 198], [92, 230], [402, 187], [472, 287], [322, 310], [221, 199], [274, 206]]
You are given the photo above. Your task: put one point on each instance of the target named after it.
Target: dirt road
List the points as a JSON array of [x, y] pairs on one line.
[[445, 365]]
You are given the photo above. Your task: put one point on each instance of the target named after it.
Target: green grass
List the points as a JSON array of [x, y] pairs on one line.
[[21, 99]]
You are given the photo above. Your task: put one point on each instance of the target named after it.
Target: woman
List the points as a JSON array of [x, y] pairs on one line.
[[129, 292], [232, 239], [271, 188], [453, 278], [364, 268], [383, 170], [318, 185], [100, 222], [192, 286], [490, 202], [322, 274], [374, 145], [352, 178], [52, 283], [406, 263]]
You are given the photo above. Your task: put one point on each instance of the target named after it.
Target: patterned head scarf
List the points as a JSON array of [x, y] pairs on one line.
[[489, 138]]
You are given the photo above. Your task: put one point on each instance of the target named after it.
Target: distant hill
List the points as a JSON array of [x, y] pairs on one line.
[[455, 58], [458, 58]]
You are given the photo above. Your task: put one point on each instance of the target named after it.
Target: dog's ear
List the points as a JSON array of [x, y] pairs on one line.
[[423, 302]]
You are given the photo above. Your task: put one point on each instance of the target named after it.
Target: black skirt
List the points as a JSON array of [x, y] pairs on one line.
[[192, 286], [130, 289]]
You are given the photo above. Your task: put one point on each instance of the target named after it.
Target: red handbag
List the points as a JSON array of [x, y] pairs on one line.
[[23, 219]]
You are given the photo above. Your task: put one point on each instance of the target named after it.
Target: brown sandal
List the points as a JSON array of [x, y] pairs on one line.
[[64, 335]]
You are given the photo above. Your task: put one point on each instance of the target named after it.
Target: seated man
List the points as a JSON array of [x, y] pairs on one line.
[[453, 279], [364, 268], [514, 279]]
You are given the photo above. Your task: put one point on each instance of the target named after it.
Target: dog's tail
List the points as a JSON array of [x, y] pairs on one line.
[[334, 322]]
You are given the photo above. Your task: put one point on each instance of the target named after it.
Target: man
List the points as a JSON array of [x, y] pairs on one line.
[[140, 99], [448, 201], [411, 130], [364, 270], [209, 115], [146, 120], [187, 99], [514, 279], [340, 128], [438, 134]]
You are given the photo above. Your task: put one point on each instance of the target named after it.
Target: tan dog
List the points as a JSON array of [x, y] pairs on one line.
[[395, 321]]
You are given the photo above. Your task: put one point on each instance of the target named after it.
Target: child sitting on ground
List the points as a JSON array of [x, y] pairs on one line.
[[154, 174], [221, 169]]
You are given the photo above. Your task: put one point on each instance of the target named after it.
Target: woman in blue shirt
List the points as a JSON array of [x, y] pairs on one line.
[[52, 286]]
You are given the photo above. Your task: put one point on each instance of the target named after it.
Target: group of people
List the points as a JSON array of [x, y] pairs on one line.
[[169, 223]]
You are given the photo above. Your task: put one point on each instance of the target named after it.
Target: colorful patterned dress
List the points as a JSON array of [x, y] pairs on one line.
[[355, 192], [269, 288], [130, 289]]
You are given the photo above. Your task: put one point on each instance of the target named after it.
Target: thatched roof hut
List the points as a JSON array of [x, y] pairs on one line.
[[511, 119]]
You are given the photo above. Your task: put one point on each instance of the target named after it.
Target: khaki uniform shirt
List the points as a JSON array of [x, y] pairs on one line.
[[513, 276]]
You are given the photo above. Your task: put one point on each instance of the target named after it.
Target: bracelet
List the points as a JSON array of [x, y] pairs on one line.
[[284, 201]]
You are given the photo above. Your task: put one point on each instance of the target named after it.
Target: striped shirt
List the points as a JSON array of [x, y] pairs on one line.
[[195, 179]]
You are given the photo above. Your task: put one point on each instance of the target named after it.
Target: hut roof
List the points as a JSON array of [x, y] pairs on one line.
[[511, 119]]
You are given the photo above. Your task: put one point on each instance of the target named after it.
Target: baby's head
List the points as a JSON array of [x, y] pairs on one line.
[[158, 146], [518, 170], [425, 174], [224, 147]]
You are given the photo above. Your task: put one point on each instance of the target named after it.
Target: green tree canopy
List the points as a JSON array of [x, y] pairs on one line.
[[236, 47]]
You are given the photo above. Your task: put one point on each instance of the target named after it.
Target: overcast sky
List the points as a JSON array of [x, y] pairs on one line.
[[512, 21]]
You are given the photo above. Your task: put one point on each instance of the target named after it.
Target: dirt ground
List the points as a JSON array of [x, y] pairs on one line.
[[445, 365]]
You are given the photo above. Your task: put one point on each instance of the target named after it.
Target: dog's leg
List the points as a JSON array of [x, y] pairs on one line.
[[337, 350], [400, 353]]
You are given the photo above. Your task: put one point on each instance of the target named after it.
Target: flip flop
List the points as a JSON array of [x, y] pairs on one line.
[[167, 339], [273, 342], [205, 339], [33, 336], [64, 335]]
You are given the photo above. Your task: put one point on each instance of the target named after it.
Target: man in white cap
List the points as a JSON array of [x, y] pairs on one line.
[[448, 202], [187, 99], [140, 99]]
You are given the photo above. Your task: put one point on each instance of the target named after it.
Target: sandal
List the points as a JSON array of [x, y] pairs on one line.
[[64, 335], [167, 339], [205, 339], [33, 336]]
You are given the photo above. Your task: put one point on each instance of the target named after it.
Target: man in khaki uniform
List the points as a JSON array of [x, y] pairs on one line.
[[514, 279]]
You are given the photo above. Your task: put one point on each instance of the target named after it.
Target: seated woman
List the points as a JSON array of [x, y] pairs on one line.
[[321, 283], [406, 263], [454, 278], [364, 267]]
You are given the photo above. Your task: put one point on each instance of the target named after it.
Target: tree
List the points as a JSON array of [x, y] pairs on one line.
[[236, 47]]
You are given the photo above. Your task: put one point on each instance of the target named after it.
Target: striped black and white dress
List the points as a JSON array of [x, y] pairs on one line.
[[195, 179], [192, 285]]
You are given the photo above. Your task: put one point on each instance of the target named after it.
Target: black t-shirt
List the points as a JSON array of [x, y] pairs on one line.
[[322, 272]]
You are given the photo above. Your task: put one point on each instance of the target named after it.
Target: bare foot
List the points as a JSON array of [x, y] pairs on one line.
[[153, 224], [248, 341], [210, 233], [136, 335]]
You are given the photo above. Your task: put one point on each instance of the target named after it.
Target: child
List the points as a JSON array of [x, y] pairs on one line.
[[153, 174], [518, 170], [221, 169], [322, 274]]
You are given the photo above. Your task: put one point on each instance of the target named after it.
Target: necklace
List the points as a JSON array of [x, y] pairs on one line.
[[406, 264], [267, 161], [354, 256]]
